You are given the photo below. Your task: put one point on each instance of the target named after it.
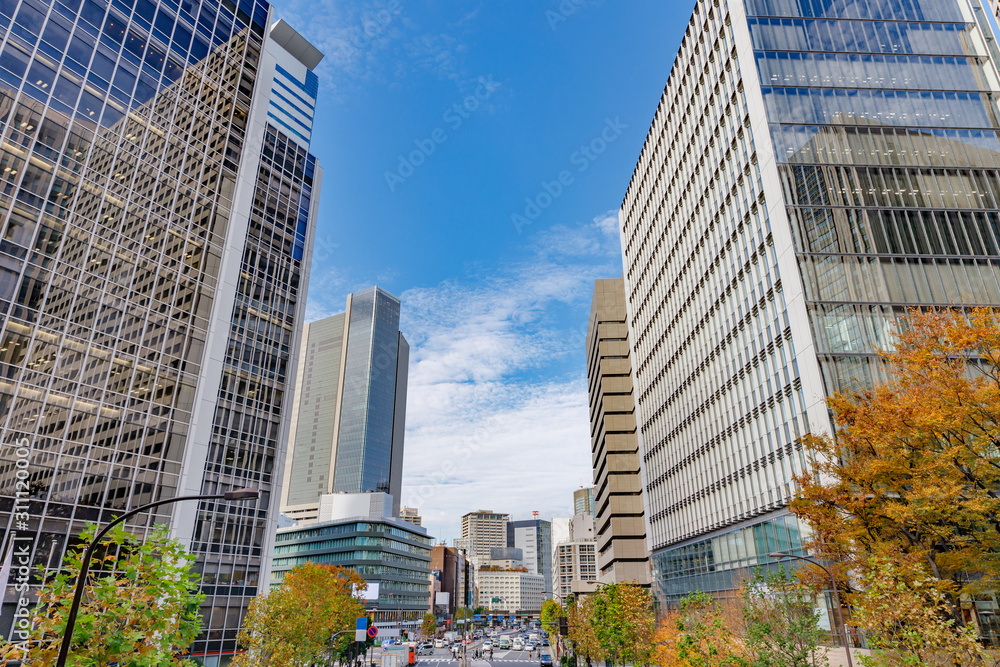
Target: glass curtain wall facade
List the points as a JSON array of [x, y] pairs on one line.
[[364, 445], [813, 168], [348, 431], [393, 553], [147, 221]]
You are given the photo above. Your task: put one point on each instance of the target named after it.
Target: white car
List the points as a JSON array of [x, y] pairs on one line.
[[488, 646], [438, 643]]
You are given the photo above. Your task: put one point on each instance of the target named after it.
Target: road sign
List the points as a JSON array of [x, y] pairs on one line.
[[373, 632], [477, 618], [359, 630]]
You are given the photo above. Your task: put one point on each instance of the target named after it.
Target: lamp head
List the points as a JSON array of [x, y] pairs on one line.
[[242, 494]]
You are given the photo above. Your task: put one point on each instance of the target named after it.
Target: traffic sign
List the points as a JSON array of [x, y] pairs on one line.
[[359, 629], [373, 632], [477, 617]]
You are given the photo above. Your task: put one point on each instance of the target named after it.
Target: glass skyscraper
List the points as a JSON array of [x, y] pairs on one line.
[[350, 406], [813, 168], [157, 201]]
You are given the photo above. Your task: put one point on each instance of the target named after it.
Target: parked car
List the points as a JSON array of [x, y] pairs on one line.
[[546, 660]]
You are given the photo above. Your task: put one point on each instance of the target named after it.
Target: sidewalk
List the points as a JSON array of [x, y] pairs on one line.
[[838, 656]]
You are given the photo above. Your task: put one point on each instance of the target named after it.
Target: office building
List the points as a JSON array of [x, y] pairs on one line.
[[452, 572], [506, 558], [811, 170], [511, 592], [349, 412], [583, 501], [357, 531], [534, 538], [576, 568], [481, 531], [410, 514], [620, 522], [157, 209]]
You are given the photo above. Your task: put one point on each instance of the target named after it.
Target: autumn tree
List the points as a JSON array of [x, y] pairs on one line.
[[139, 608], [914, 469], [705, 636], [293, 625], [582, 633], [622, 619]]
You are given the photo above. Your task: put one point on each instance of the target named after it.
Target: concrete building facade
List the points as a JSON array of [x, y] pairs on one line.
[[576, 568], [481, 531], [793, 196], [452, 570], [349, 411], [157, 212], [620, 521], [511, 592]]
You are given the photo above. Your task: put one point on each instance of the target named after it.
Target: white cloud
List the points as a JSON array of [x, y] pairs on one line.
[[497, 413]]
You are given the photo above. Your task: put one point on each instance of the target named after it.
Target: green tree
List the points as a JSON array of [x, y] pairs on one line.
[[551, 611], [908, 621], [139, 609], [781, 624], [292, 625], [429, 625], [623, 622]]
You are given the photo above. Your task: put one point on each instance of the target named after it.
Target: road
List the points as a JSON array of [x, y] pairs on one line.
[[442, 657]]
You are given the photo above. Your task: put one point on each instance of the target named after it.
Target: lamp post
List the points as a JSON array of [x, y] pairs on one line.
[[239, 494], [836, 597]]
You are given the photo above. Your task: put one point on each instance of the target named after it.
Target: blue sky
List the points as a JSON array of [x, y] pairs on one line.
[[475, 156]]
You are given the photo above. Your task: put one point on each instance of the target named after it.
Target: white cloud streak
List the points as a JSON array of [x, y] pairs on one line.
[[497, 413]]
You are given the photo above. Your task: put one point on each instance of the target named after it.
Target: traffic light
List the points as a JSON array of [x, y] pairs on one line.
[[563, 626]]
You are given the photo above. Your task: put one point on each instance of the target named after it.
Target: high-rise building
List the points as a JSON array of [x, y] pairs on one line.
[[812, 169], [583, 501], [481, 531], [450, 567], [157, 209], [357, 531], [620, 522], [411, 514], [349, 412], [534, 538]]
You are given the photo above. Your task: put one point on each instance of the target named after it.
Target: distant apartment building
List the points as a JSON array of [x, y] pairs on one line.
[[570, 536], [583, 501], [506, 558], [534, 538], [482, 531], [158, 202], [511, 592], [812, 169], [620, 522], [410, 514], [349, 410], [357, 531], [450, 567], [576, 569]]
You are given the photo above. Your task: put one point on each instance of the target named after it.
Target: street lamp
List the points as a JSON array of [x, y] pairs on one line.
[[239, 494], [836, 597]]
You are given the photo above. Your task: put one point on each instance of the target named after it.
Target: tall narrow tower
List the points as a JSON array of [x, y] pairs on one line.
[[350, 406]]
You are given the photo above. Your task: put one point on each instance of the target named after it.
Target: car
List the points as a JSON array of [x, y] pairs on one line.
[[518, 645], [545, 641], [438, 643], [425, 649], [530, 646], [545, 660], [488, 645]]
